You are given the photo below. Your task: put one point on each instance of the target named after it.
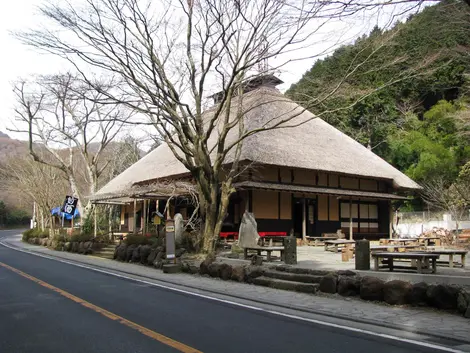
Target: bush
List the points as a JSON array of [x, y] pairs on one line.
[[138, 240], [156, 241], [42, 233], [35, 233], [27, 234], [81, 237], [59, 238]]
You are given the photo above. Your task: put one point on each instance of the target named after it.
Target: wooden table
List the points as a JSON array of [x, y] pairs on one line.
[[335, 245], [393, 248], [451, 253], [267, 249], [421, 259], [320, 240]]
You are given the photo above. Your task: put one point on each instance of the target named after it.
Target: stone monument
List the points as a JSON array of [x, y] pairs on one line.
[[363, 255], [290, 250], [179, 228], [248, 234]]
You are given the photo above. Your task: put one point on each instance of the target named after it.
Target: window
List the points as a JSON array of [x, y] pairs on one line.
[[364, 216]]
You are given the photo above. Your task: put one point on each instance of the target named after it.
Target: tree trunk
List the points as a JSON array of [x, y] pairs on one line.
[[215, 212]]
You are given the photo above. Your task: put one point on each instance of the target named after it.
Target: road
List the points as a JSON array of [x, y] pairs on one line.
[[50, 306]]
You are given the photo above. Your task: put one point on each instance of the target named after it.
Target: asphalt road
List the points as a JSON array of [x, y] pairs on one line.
[[73, 309]]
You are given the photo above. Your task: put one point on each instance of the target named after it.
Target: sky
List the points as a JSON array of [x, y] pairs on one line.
[[19, 61]]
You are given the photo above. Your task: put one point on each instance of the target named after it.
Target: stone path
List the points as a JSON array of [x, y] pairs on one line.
[[407, 319]]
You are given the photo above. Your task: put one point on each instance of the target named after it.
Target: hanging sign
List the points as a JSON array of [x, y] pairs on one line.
[[70, 204]]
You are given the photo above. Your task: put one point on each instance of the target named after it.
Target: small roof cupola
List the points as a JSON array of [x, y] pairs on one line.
[[251, 84]]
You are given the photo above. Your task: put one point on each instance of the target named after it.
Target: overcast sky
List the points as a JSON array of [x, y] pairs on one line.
[[19, 61]]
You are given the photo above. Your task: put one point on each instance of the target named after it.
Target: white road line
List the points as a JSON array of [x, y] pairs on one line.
[[255, 308]]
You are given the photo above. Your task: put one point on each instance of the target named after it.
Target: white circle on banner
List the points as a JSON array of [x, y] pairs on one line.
[[70, 200], [68, 209]]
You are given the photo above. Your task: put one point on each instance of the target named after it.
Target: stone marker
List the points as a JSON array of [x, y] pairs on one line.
[[290, 250], [248, 234], [179, 228], [363, 255]]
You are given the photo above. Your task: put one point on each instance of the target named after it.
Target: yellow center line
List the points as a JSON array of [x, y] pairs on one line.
[[147, 332]]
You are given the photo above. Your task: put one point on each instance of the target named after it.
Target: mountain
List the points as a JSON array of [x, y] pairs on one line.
[[402, 92], [10, 147]]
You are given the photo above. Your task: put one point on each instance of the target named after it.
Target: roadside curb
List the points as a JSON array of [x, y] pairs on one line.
[[52, 255]]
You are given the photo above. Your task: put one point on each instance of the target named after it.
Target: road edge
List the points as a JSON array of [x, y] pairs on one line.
[[115, 272]]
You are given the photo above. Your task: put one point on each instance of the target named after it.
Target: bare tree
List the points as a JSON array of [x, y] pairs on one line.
[[446, 197], [61, 115], [36, 182], [169, 56]]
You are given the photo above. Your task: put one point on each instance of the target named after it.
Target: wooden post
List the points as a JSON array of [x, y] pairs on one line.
[[135, 217], [95, 222], [144, 225], [391, 219], [350, 221], [304, 219]]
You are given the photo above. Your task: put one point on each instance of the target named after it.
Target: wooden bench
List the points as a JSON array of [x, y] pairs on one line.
[[420, 258], [451, 253], [336, 245], [267, 249], [320, 240]]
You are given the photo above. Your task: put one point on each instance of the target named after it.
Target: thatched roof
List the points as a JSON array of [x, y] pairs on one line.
[[312, 144], [156, 190]]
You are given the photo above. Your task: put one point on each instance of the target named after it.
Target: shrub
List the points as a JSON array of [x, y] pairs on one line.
[[35, 233], [137, 240], [29, 233], [42, 233], [59, 238], [156, 241], [81, 237]]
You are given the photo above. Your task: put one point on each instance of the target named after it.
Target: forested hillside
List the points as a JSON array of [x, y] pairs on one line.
[[411, 89]]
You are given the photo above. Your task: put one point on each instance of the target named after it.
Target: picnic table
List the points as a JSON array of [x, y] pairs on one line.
[[451, 253], [336, 245], [420, 258], [320, 240], [393, 248], [267, 249]]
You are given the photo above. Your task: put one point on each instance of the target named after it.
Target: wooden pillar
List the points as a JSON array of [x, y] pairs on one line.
[[168, 209], [95, 221], [350, 221], [390, 209], [304, 219], [144, 225], [135, 217]]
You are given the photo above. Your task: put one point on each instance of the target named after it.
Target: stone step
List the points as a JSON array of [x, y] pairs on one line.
[[286, 285], [293, 277]]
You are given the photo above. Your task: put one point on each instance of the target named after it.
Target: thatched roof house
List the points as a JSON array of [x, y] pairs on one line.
[[307, 161]]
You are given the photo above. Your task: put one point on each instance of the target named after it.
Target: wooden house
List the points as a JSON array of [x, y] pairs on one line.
[[307, 177]]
